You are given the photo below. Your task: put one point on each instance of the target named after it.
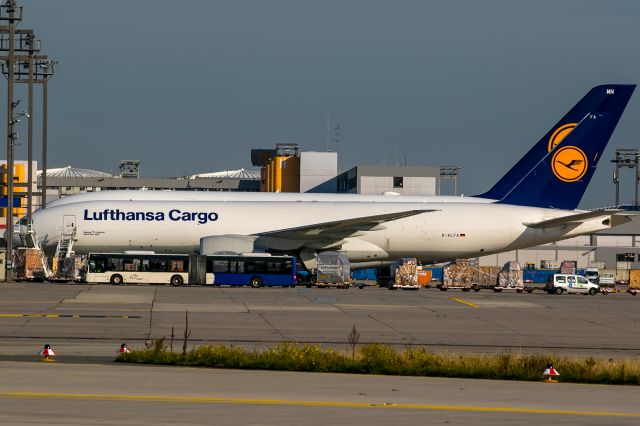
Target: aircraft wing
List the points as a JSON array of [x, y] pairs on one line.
[[339, 229], [578, 218]]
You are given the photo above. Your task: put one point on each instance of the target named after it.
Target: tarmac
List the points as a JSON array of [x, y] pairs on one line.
[[85, 325], [91, 320], [91, 394]]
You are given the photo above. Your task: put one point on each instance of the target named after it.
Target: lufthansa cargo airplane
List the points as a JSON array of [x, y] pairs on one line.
[[534, 203]]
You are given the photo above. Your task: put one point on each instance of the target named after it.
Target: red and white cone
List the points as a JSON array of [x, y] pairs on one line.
[[124, 349], [47, 354], [550, 373]]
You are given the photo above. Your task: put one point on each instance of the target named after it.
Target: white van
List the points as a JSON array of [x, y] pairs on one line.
[[570, 283]]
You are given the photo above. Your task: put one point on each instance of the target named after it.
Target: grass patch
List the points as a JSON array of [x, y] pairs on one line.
[[383, 359]]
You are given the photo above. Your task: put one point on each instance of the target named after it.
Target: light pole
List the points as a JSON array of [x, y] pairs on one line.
[[48, 69], [8, 14], [34, 69], [629, 158]]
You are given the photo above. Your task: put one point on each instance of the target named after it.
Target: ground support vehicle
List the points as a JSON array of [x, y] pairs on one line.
[[570, 283]]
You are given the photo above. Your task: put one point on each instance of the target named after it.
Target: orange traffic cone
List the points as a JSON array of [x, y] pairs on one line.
[[550, 373], [47, 354], [123, 349]]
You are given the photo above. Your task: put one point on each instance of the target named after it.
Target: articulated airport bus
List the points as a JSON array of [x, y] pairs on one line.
[[174, 269]]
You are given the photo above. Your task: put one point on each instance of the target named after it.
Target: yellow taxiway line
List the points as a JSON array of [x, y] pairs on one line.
[[464, 302], [250, 401]]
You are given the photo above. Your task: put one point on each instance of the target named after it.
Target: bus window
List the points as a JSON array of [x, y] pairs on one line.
[[255, 266], [176, 265], [220, 266], [132, 265], [115, 264], [158, 265], [273, 267], [240, 264], [98, 265]]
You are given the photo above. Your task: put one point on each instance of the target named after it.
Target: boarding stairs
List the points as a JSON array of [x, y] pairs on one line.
[[64, 249]]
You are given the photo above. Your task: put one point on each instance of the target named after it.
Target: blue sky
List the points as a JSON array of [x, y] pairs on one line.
[[191, 86]]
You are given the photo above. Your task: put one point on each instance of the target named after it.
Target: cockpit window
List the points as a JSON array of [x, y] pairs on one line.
[[23, 221]]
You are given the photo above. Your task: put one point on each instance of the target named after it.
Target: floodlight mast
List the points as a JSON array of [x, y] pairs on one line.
[[8, 14]]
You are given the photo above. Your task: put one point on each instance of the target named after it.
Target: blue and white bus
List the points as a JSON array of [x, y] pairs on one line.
[[256, 270]]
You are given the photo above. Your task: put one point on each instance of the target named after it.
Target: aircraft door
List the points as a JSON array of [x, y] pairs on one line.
[[68, 223]]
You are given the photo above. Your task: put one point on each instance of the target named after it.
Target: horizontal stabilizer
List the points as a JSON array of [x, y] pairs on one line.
[[340, 228], [576, 219]]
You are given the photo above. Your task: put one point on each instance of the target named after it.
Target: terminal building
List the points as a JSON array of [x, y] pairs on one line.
[[288, 169], [65, 181]]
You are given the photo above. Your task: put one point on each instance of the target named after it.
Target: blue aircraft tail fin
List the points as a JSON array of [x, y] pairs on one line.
[[556, 172]]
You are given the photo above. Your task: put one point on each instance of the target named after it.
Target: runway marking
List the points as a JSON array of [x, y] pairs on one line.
[[464, 302], [251, 401], [67, 316]]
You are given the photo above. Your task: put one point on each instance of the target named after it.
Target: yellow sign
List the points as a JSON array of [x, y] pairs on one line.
[[560, 133], [569, 163]]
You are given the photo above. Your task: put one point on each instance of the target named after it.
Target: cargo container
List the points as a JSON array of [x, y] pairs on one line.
[[334, 270], [363, 274], [424, 277], [607, 277], [436, 274], [537, 275], [622, 276]]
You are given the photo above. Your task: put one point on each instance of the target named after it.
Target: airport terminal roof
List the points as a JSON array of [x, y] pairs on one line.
[[229, 174], [73, 172]]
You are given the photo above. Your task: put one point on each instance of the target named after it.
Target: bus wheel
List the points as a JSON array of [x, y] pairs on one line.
[[116, 279], [176, 280], [255, 282]]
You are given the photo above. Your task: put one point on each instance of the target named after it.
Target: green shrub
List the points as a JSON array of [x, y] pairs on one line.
[[382, 359]]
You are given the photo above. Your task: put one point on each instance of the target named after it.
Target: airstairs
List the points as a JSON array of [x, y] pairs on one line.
[[64, 249]]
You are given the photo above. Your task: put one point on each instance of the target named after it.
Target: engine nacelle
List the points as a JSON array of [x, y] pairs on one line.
[[227, 244]]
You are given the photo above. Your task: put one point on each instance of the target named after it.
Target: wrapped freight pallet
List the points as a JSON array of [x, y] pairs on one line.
[[28, 264], [67, 269], [458, 274], [404, 274], [511, 277], [634, 279], [486, 276], [568, 267]]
